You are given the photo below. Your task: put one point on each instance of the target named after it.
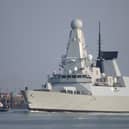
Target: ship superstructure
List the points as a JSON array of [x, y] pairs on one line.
[[81, 85]]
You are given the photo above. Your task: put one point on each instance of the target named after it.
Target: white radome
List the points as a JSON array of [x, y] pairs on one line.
[[76, 69], [77, 23], [90, 57]]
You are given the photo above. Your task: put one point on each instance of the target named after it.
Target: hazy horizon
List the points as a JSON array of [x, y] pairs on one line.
[[34, 35]]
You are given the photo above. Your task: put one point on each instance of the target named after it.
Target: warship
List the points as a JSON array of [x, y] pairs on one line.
[[82, 84]]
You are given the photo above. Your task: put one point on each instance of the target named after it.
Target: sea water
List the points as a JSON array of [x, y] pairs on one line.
[[23, 119]]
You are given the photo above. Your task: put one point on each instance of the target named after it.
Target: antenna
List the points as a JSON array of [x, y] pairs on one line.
[[99, 41], [99, 62]]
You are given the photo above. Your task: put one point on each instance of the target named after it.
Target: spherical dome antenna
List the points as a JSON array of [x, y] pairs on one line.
[[75, 68], [70, 71], [77, 23], [90, 57]]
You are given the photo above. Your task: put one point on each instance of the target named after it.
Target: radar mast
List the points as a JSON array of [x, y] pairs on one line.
[[100, 59]]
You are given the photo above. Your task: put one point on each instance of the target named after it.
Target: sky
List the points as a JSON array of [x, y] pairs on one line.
[[34, 35]]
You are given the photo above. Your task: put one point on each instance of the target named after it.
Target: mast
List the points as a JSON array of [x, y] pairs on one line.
[[99, 62], [99, 42], [75, 59]]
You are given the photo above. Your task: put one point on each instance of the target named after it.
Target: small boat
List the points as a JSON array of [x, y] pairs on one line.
[[3, 107]]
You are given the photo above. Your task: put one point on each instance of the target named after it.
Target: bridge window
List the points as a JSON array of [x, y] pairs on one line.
[[69, 76], [70, 91], [73, 76], [78, 92], [84, 76], [79, 76], [63, 76]]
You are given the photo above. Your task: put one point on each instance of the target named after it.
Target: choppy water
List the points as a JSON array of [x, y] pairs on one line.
[[19, 119]]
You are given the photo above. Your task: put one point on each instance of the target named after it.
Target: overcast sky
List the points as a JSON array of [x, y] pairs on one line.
[[34, 35]]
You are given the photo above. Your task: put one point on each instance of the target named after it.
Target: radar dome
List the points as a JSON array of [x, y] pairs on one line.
[[75, 68], [90, 57], [77, 23]]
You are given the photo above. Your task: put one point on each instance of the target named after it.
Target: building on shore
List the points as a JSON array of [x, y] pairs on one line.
[[13, 101]]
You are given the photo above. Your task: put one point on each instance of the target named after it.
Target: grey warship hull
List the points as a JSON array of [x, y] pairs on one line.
[[80, 85], [55, 101], [102, 99]]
